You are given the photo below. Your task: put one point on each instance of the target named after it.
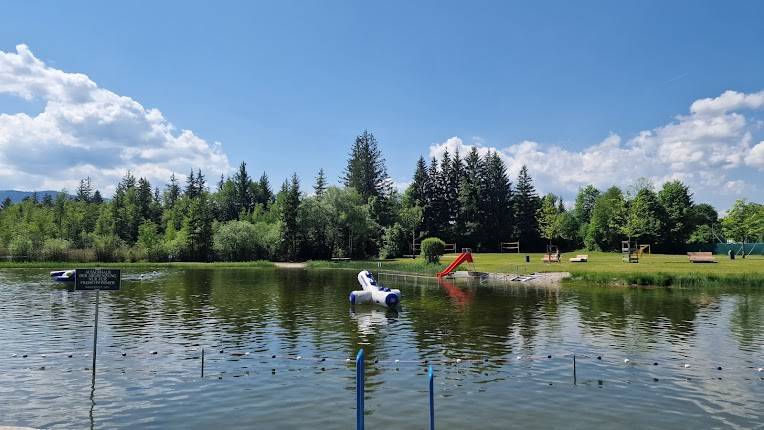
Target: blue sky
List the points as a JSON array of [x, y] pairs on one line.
[[285, 86]]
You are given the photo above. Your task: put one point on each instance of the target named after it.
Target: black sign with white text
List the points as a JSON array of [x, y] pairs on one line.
[[97, 279]]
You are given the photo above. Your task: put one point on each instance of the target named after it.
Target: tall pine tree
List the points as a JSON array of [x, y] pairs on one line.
[[365, 170], [526, 204]]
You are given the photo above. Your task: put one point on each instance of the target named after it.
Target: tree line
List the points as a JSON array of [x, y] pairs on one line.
[[466, 199]]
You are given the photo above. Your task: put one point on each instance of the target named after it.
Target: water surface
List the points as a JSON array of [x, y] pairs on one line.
[[502, 355]]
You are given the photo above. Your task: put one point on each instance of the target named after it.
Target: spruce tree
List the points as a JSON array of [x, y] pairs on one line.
[[198, 227], [526, 204], [320, 187], [144, 199], [418, 189], [289, 228], [85, 190], [191, 190], [365, 170], [470, 196], [172, 192], [243, 187], [265, 195], [97, 199], [496, 218]]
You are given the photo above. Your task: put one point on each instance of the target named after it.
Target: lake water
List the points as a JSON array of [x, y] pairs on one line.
[[502, 355]]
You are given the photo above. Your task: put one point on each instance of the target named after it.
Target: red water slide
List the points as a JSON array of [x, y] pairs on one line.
[[464, 256]]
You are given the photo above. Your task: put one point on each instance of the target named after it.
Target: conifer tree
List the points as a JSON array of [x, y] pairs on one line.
[[243, 187], [526, 204], [365, 170], [172, 192], [320, 187], [289, 227], [470, 196], [85, 190], [496, 202], [191, 190], [419, 187], [198, 225]]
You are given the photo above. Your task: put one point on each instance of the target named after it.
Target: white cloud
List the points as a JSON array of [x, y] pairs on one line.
[[706, 149], [84, 130]]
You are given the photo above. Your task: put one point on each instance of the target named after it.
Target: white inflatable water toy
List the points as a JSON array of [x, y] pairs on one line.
[[62, 275], [373, 293]]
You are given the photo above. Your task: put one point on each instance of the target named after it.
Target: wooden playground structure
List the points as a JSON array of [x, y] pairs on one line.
[[510, 247], [632, 251]]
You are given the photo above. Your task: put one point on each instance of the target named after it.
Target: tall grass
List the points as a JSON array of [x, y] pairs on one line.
[[663, 279]]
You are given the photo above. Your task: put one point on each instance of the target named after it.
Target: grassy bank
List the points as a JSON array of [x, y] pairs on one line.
[[602, 268], [134, 265]]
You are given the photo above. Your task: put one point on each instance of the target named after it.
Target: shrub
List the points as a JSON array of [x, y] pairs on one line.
[[55, 249], [244, 241], [20, 248], [432, 249], [394, 242], [107, 247]]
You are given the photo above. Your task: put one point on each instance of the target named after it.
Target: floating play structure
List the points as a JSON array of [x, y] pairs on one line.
[[373, 293], [66, 276]]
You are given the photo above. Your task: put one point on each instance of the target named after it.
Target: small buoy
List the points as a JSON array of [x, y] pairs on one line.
[[323, 359], [719, 368], [347, 360], [519, 357], [13, 355], [70, 355], [123, 354], [397, 361], [153, 352], [426, 361], [686, 365], [323, 369], [24, 356], [458, 360], [221, 351], [549, 356], [246, 353], [376, 361], [655, 363], [220, 377], [599, 357], [760, 369], [42, 355], [298, 357], [626, 360], [273, 356]]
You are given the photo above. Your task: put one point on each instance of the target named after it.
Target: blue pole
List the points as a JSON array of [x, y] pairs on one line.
[[359, 389], [432, 400]]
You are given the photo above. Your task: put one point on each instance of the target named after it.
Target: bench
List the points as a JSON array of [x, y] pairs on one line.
[[701, 257], [579, 259], [551, 258], [338, 259]]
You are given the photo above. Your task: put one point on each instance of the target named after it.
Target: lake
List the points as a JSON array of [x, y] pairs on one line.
[[502, 355]]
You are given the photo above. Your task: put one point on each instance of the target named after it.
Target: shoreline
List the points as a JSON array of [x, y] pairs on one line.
[[611, 275]]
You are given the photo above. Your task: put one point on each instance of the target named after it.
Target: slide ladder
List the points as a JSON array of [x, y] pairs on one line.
[[463, 257]]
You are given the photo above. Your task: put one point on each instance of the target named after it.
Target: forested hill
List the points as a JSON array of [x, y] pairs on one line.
[[17, 196]]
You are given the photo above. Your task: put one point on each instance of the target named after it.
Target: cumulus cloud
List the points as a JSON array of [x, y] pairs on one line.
[[84, 130], [709, 149]]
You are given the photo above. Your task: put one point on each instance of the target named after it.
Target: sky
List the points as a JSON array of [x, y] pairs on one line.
[[581, 92]]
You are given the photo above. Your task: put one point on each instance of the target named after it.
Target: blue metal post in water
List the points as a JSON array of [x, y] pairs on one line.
[[432, 400], [359, 389]]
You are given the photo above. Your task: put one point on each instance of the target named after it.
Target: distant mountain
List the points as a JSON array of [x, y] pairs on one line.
[[17, 196]]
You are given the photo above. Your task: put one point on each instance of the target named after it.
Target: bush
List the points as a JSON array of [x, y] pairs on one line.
[[20, 248], [394, 242], [244, 241], [55, 249], [432, 249], [107, 248]]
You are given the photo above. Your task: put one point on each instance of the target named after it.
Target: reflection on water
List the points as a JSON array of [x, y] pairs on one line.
[[514, 346]]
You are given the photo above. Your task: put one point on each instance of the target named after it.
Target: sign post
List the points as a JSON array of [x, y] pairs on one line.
[[97, 280]]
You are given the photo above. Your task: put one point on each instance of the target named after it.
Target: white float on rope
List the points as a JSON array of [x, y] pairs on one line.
[[374, 293]]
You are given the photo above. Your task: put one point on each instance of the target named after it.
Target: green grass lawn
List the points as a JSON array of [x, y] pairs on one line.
[[602, 267]]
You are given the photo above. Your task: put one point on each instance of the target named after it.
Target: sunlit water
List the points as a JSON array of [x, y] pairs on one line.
[[490, 347]]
